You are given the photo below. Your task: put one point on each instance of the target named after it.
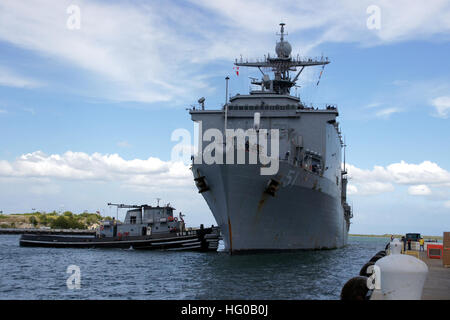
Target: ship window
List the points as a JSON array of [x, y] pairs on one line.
[[132, 220], [241, 107], [251, 107]]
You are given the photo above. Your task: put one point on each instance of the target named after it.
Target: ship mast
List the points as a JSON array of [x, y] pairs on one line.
[[127, 206], [281, 66]]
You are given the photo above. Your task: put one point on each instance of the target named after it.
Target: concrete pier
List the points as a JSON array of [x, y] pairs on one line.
[[437, 285]]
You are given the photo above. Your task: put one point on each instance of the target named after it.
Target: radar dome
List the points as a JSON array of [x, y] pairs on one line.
[[283, 49]]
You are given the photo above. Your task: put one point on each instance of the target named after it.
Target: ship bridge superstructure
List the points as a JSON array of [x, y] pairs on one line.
[[275, 106]]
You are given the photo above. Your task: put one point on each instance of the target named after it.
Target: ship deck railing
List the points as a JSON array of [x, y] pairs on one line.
[[270, 107]]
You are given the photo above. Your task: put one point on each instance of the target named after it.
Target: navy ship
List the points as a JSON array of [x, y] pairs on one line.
[[294, 195], [145, 228]]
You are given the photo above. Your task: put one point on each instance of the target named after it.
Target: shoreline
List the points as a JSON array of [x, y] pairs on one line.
[[389, 235]]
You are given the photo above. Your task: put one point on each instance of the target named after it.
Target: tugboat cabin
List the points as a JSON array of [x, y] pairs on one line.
[[143, 220]]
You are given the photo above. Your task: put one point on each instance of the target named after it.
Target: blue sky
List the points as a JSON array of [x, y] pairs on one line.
[[86, 115]]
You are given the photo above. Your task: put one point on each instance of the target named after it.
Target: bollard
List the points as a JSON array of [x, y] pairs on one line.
[[402, 277], [395, 246]]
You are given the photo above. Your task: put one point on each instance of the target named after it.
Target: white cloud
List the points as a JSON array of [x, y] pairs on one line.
[[447, 204], [426, 172], [442, 105], [144, 51], [386, 113], [10, 78], [351, 189], [343, 21], [381, 179], [3, 111], [413, 95], [137, 50], [98, 167], [419, 190], [372, 105]]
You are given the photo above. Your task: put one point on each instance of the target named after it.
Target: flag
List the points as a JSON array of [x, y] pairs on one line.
[[320, 75]]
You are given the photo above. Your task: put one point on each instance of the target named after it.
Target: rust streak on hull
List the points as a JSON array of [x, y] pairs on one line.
[[231, 238]]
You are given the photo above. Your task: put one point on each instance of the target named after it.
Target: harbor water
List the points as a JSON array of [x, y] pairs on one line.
[[41, 273]]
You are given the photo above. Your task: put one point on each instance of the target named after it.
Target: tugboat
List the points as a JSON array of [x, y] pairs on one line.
[[145, 228]]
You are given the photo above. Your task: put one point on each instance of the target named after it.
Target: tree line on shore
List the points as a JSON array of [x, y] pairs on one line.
[[53, 220]]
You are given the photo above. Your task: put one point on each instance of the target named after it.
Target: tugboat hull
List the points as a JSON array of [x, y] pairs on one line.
[[198, 240]]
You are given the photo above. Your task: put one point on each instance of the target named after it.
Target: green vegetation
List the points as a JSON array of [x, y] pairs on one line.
[[54, 220], [66, 222], [33, 220]]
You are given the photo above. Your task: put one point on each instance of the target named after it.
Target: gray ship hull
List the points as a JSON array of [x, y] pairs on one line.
[[305, 213], [304, 204]]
